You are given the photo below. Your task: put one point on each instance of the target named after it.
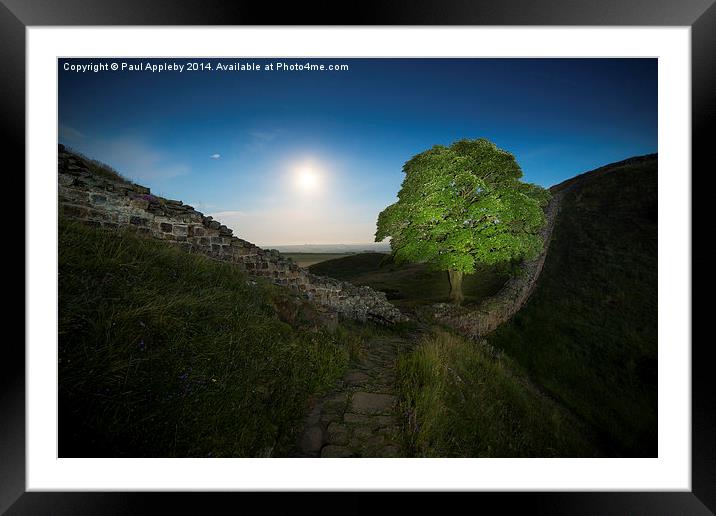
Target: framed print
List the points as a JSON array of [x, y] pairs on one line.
[[431, 248]]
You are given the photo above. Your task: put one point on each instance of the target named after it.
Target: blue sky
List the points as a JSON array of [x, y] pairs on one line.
[[296, 157]]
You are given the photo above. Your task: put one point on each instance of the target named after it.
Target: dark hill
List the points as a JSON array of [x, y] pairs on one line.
[[408, 285], [348, 267], [588, 335]]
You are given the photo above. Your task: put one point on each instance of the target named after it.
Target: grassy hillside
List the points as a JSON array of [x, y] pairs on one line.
[[98, 168], [164, 353], [588, 335], [411, 284], [464, 400]]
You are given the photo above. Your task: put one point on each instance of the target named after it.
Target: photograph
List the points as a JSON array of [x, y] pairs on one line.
[[378, 257]]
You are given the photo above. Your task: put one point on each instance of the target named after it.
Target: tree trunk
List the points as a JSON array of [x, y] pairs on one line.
[[455, 278]]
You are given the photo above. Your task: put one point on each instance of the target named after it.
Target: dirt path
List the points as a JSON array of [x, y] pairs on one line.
[[359, 418]]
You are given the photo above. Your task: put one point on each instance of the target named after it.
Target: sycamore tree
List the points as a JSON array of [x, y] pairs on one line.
[[461, 207]]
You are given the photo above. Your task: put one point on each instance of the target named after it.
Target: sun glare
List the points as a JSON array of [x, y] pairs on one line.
[[307, 179]]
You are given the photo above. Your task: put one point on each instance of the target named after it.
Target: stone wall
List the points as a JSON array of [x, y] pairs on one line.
[[500, 308], [108, 202]]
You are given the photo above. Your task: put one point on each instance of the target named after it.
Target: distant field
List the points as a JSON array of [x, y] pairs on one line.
[[407, 285], [308, 259]]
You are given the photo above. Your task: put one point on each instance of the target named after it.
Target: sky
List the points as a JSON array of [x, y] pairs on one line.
[[289, 156]]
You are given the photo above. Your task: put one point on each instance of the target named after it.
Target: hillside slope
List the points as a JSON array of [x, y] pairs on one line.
[[588, 335], [163, 353], [409, 285]]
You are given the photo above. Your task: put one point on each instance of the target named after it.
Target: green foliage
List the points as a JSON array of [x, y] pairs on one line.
[[462, 401], [165, 353], [463, 206]]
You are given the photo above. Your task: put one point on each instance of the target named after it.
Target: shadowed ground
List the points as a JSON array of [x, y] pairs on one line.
[[409, 285]]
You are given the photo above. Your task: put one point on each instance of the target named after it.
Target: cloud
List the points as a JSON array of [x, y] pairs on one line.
[[70, 134], [215, 156], [135, 159], [266, 136], [259, 139]]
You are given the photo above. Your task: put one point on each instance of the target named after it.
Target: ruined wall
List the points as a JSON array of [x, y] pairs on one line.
[[499, 308], [111, 203]]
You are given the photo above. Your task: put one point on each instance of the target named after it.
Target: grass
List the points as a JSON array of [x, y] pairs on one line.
[[588, 335], [464, 402], [409, 285], [99, 168], [164, 353]]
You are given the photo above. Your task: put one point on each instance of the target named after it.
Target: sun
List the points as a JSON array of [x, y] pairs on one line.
[[307, 179]]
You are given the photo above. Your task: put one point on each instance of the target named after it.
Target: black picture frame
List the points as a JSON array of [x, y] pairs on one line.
[[16, 15]]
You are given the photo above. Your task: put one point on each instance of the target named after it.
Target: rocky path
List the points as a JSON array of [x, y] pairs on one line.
[[360, 417]]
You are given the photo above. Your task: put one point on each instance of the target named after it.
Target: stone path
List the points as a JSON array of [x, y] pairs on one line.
[[360, 417]]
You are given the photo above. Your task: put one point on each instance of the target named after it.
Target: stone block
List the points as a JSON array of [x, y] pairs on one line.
[[73, 211], [337, 434], [140, 204], [312, 440], [371, 403], [336, 451], [141, 189], [98, 199]]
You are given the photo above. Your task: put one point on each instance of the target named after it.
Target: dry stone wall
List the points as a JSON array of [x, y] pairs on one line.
[[112, 203], [501, 307]]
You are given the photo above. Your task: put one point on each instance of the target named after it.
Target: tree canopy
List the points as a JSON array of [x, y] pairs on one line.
[[462, 206]]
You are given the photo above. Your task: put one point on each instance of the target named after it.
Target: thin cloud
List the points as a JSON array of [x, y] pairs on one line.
[[259, 139], [215, 156], [135, 159], [265, 136]]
